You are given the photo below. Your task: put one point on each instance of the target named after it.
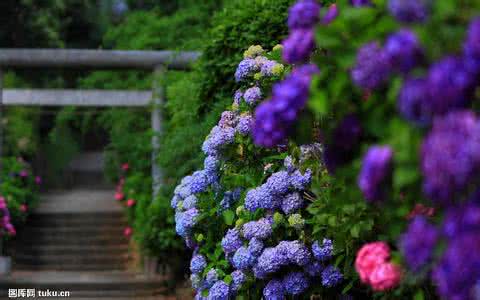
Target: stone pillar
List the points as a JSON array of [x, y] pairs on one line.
[[157, 101]]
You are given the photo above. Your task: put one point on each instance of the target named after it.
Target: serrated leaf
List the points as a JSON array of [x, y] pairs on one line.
[[228, 217]]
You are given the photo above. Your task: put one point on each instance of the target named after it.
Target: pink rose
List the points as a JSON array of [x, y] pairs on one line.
[[23, 208], [128, 231], [118, 196], [386, 276], [125, 166], [130, 202], [369, 257]]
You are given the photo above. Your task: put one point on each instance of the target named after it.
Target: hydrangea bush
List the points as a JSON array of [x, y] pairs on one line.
[[245, 214]]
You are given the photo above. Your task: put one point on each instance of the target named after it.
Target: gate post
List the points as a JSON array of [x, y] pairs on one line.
[[157, 101]]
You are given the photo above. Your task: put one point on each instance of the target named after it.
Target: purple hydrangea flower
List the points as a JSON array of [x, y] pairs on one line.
[[375, 172], [330, 15], [174, 201], [331, 276], [292, 202], [314, 268], [211, 164], [403, 50], [237, 97], [228, 119], [459, 269], [450, 85], [409, 11], [198, 296], [418, 242], [238, 278], [372, 68], [219, 291], [472, 47], [245, 124], [274, 290], [295, 251], [289, 165], [197, 264], [270, 261], [267, 67], [462, 219], [414, 102], [255, 247], [450, 155], [211, 278], [245, 69], [295, 283], [358, 3], [253, 95], [261, 197], [274, 118], [243, 259], [303, 14], [231, 241], [301, 181], [261, 229], [278, 183], [298, 46], [324, 251]]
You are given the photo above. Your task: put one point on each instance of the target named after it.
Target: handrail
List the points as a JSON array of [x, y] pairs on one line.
[[96, 59]]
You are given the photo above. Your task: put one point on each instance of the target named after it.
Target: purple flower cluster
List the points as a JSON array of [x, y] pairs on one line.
[[219, 291], [245, 69], [185, 221], [245, 124], [472, 48], [375, 172], [275, 117], [374, 64], [324, 251], [418, 242], [231, 241], [409, 11], [450, 155], [261, 229], [197, 264]]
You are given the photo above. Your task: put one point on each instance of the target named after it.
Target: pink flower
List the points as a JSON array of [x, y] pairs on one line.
[[386, 276], [3, 203], [10, 229], [369, 257], [119, 196], [23, 173], [23, 208], [125, 166], [127, 231], [38, 180], [131, 202]]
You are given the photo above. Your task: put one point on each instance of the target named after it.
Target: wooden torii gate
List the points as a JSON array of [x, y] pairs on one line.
[[156, 61]]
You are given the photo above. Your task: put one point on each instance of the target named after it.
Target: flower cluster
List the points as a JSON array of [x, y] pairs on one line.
[[5, 221], [374, 267], [375, 172]]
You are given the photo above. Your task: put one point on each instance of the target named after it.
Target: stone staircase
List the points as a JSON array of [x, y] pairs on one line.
[[74, 242]]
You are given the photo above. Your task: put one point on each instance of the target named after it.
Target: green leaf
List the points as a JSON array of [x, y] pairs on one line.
[[355, 231], [228, 217], [419, 295]]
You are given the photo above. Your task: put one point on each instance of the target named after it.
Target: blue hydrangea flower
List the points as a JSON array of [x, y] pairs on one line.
[[211, 278], [274, 290], [292, 202], [461, 219], [324, 251], [301, 181], [184, 221], [418, 242], [243, 259], [403, 50], [295, 283], [314, 268], [471, 47], [270, 261], [278, 183], [200, 182], [219, 291], [253, 95], [358, 3], [414, 102], [190, 202], [261, 229], [331, 276], [409, 11], [255, 247], [372, 68], [289, 165], [174, 201], [245, 124], [375, 172], [245, 69], [228, 119], [267, 68], [217, 139], [298, 46], [211, 164], [295, 251], [238, 278], [330, 15], [231, 241], [197, 264], [196, 281], [303, 14], [237, 97], [260, 197]]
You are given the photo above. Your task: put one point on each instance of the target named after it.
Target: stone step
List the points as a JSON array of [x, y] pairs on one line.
[[68, 239], [70, 267], [54, 219], [102, 258], [87, 229], [72, 250]]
